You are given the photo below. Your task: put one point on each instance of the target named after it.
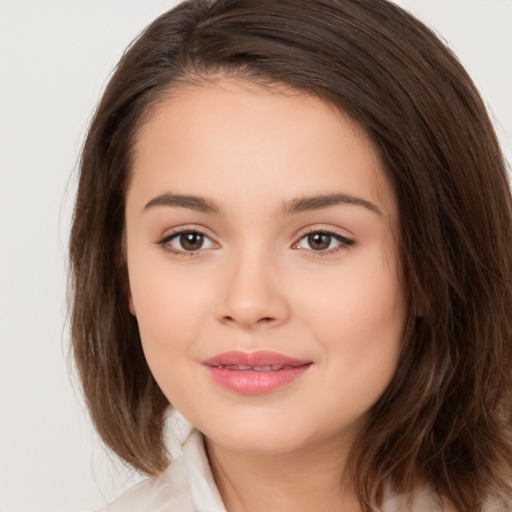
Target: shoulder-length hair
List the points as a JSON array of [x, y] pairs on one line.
[[445, 419]]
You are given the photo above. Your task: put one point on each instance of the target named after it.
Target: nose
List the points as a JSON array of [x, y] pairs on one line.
[[252, 295]]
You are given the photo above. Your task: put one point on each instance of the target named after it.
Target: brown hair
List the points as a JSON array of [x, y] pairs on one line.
[[445, 419]]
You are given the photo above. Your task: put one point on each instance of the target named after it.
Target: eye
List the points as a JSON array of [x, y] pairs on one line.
[[323, 241], [187, 242]]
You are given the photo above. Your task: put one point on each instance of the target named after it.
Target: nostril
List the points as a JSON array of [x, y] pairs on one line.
[[261, 321], [249, 310]]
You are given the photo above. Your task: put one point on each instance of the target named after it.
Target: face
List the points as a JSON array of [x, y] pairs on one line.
[[263, 268]]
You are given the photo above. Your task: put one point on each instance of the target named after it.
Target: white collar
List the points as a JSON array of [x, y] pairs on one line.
[[186, 444]]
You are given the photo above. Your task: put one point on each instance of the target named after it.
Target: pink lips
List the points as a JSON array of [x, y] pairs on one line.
[[254, 373]]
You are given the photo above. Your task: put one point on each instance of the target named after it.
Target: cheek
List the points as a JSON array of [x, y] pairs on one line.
[[174, 309], [169, 306], [168, 316], [359, 324], [365, 296]]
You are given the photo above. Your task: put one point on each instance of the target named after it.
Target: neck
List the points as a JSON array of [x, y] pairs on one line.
[[305, 482]]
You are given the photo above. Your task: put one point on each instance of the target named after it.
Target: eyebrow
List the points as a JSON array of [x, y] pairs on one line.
[[199, 204], [319, 202], [301, 204]]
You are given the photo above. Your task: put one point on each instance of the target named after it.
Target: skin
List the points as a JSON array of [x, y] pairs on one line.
[[257, 282]]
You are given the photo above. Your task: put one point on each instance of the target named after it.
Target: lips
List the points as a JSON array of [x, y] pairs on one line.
[[243, 368], [253, 373]]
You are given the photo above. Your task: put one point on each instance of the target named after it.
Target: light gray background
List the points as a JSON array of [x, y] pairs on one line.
[[55, 57]]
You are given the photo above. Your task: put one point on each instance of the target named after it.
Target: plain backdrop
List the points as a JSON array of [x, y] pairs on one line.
[[55, 59]]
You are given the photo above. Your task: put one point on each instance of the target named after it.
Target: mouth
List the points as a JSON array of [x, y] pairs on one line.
[[267, 368], [254, 373]]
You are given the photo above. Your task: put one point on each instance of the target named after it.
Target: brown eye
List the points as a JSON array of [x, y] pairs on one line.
[[191, 241], [324, 241], [187, 241], [319, 241]]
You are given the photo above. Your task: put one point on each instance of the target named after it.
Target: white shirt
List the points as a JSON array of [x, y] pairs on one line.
[[187, 485]]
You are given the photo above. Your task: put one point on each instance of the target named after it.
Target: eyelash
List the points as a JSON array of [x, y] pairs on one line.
[[344, 242], [165, 242]]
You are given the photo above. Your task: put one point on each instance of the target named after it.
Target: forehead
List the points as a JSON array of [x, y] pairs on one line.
[[233, 136]]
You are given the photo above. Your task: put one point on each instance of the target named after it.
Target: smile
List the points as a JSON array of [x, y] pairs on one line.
[[254, 373]]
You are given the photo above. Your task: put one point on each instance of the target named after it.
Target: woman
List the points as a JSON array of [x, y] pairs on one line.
[[293, 225]]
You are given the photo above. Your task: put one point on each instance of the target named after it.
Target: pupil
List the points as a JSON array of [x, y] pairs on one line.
[[191, 241], [319, 241]]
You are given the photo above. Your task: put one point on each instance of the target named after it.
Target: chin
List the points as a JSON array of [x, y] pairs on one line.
[[256, 435], [257, 443]]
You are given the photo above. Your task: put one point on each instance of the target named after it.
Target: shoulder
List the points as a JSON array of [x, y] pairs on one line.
[[427, 500], [187, 485], [490, 505], [445, 505], [421, 500], [167, 492]]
